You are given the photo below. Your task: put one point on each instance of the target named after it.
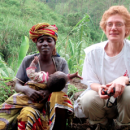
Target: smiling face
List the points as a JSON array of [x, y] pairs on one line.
[[115, 28], [45, 45]]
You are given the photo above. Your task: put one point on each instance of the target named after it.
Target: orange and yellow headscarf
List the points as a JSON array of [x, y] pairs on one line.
[[43, 29]]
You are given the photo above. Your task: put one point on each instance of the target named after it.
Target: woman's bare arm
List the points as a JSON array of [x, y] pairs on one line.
[[31, 93], [119, 85], [98, 87]]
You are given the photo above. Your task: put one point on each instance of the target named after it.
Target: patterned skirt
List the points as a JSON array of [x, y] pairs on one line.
[[21, 113]]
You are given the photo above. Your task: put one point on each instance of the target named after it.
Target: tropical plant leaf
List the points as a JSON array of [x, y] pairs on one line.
[[102, 36], [2, 73], [5, 71], [71, 47], [23, 50], [80, 39], [69, 62], [87, 17]]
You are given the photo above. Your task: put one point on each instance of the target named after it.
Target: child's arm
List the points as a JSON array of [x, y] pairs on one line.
[[75, 75], [39, 77], [31, 69], [34, 62]]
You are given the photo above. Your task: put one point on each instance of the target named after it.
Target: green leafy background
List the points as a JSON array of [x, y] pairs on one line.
[[78, 28]]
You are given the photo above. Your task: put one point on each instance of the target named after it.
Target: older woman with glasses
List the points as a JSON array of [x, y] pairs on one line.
[[106, 71]]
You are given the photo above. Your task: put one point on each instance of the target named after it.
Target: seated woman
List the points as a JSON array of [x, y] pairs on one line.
[[45, 36], [107, 66]]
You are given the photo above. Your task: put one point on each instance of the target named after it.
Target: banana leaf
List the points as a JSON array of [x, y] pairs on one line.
[[5, 71], [71, 47], [23, 50]]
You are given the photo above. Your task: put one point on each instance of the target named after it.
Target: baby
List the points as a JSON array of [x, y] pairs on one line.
[[54, 82]]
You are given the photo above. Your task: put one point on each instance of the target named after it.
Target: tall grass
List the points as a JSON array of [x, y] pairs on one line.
[[5, 71], [16, 19], [72, 46]]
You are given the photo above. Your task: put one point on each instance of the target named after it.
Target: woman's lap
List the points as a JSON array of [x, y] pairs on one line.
[[95, 108], [123, 105], [31, 118], [58, 99]]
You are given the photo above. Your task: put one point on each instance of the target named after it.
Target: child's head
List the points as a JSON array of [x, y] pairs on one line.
[[57, 81]]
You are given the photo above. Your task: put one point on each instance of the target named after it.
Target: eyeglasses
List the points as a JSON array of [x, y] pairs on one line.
[[117, 25]]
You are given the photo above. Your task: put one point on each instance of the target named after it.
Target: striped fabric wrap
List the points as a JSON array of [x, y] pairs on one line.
[[43, 29], [28, 115]]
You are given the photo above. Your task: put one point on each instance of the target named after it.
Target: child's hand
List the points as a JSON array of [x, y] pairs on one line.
[[34, 62], [45, 94], [77, 75]]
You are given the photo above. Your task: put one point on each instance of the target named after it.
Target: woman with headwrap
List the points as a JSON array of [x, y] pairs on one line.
[[55, 114]]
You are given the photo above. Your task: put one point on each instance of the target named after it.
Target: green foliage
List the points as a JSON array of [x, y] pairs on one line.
[[53, 15], [5, 71], [76, 40], [72, 90], [5, 91], [73, 19], [20, 17], [94, 8], [77, 22], [23, 50]]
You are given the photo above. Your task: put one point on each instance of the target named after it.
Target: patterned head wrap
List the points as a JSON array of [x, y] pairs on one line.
[[43, 29]]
